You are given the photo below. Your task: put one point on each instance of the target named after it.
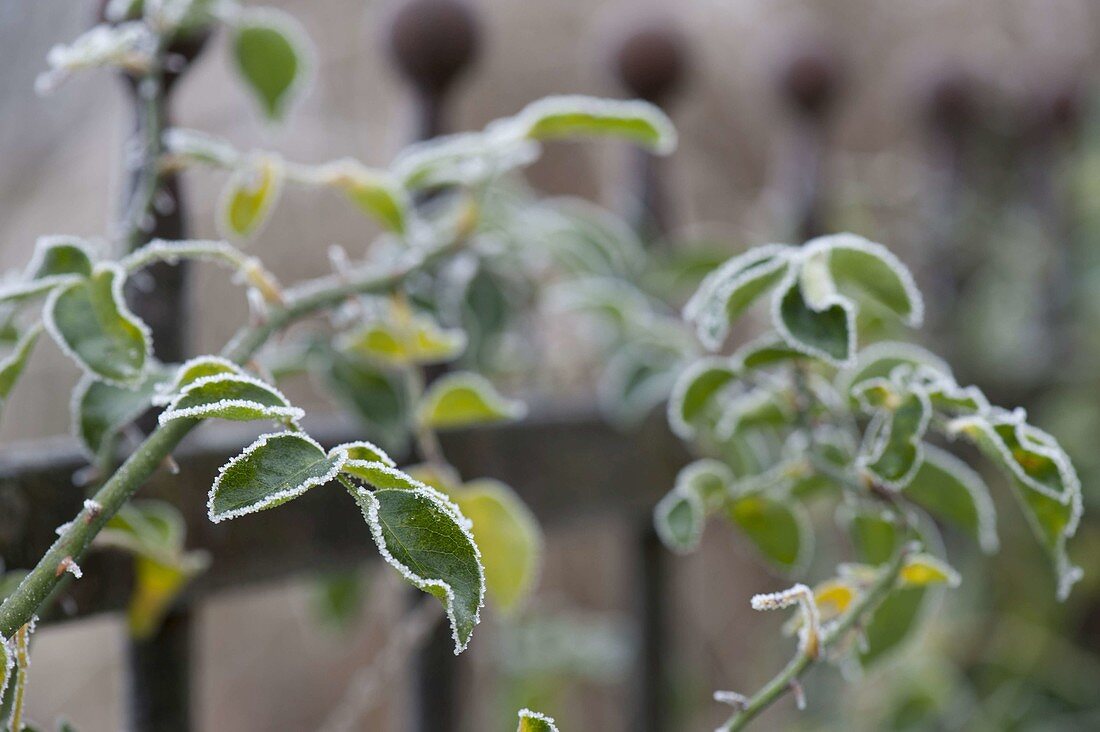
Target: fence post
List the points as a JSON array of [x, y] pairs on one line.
[[159, 667], [809, 81], [650, 62], [432, 42]]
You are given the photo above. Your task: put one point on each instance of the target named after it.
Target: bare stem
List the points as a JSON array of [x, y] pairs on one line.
[[786, 679]]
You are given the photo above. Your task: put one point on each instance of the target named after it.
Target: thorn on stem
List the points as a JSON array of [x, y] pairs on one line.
[[799, 694], [92, 510], [68, 565], [171, 465]]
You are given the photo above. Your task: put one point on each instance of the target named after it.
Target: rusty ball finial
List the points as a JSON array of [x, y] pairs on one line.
[[810, 77], [433, 41], [951, 103], [651, 61]]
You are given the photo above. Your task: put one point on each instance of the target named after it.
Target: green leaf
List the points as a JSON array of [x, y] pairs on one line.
[[874, 537], [954, 493], [463, 159], [59, 256], [404, 338], [921, 570], [7, 662], [271, 471], [381, 398], [376, 192], [893, 446], [708, 479], [868, 271], [101, 410], [230, 396], [508, 536], [695, 391], [780, 530], [193, 370], [250, 195], [338, 598], [1043, 477], [420, 535], [879, 360], [766, 351], [725, 294], [892, 622], [535, 722], [827, 331], [581, 116], [364, 452], [465, 399], [678, 519], [89, 320], [271, 52], [379, 474], [13, 364]]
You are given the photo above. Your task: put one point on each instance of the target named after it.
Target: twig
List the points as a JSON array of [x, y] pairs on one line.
[[786, 679]]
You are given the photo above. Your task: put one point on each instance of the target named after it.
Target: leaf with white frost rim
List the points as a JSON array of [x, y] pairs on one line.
[[695, 392], [230, 396], [272, 55], [419, 535], [7, 662], [192, 370], [953, 492], [100, 410], [530, 721], [678, 519], [250, 195], [921, 570], [271, 471], [582, 116], [779, 529], [825, 329], [465, 399], [90, 322], [375, 192], [869, 271], [893, 449]]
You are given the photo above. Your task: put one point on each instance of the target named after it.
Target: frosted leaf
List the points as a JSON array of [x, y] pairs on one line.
[[364, 451], [865, 270], [466, 159], [192, 370], [882, 358], [465, 399], [271, 471], [920, 570], [727, 293], [573, 116], [250, 195], [91, 323], [376, 192], [127, 46], [400, 337], [419, 536], [530, 721], [678, 519], [13, 363], [230, 396], [893, 447], [951, 491], [779, 527], [99, 411], [195, 145], [7, 663], [273, 56], [824, 328], [695, 394]]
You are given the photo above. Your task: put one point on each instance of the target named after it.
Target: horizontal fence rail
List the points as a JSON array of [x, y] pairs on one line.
[[564, 465]]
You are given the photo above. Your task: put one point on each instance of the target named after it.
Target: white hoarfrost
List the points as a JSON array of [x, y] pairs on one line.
[[284, 412], [801, 595], [274, 498], [423, 583], [528, 714]]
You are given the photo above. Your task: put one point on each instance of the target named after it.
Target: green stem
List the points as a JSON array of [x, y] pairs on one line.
[[317, 296], [784, 681], [150, 90], [21, 642]]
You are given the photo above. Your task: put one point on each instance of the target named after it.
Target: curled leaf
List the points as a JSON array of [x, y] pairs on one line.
[[893, 446], [678, 519], [420, 536], [250, 195], [920, 570], [271, 471], [865, 270], [694, 393], [581, 116], [825, 329], [465, 399], [90, 322], [376, 192]]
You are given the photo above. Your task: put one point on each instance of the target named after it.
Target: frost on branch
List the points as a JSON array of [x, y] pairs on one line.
[[810, 631], [579, 116], [530, 721], [127, 46]]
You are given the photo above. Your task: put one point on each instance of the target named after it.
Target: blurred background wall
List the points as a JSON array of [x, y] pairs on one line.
[[265, 662]]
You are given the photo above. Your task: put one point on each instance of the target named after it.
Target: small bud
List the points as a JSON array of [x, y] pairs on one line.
[[799, 695], [91, 509], [171, 465], [68, 565]]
